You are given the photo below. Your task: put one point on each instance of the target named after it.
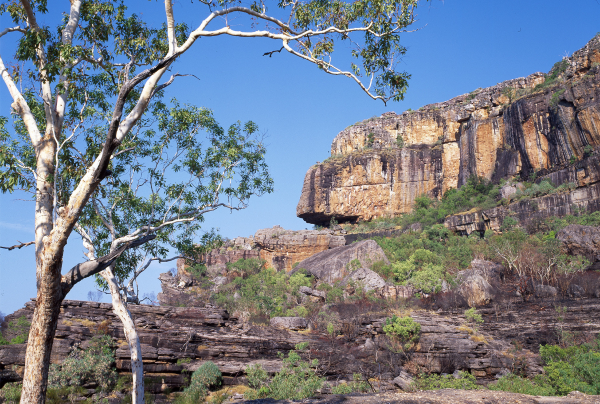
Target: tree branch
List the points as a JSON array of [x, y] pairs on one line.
[[18, 246], [13, 29], [272, 52], [89, 268]]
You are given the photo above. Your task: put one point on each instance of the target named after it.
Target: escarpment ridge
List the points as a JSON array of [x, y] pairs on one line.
[[540, 124]]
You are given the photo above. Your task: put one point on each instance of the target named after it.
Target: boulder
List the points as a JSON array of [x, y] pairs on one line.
[[394, 292], [581, 240], [543, 291], [289, 323], [474, 283], [575, 290], [415, 227], [305, 290], [332, 265], [368, 279], [508, 190], [404, 380]]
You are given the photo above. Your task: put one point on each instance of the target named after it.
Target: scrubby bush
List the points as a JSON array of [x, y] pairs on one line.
[[296, 380], [552, 78], [262, 291], [566, 369], [476, 193], [473, 318], [403, 329], [18, 329], [92, 365], [206, 376], [465, 381], [11, 393], [517, 384]]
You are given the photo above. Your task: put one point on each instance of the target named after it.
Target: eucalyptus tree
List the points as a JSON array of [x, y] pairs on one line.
[[163, 184], [99, 69]]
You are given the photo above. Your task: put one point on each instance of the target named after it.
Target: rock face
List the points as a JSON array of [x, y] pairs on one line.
[[334, 264], [279, 247], [585, 174], [581, 240], [368, 279], [378, 167], [289, 323], [176, 340]]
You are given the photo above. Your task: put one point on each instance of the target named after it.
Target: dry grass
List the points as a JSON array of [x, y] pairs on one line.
[[68, 323], [85, 322], [226, 392], [479, 338], [466, 329]]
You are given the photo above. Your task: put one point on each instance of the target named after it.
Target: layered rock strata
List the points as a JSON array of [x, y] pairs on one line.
[[280, 248], [379, 166], [176, 340]]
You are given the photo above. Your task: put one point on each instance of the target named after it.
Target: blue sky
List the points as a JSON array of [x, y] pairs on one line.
[[461, 45]]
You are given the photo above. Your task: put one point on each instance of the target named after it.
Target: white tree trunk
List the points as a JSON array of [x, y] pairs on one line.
[[119, 308]]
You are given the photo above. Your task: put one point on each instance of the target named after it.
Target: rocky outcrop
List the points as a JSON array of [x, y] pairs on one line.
[[529, 211], [334, 264], [176, 340], [474, 283], [284, 248], [289, 323], [378, 167], [581, 240], [280, 248]]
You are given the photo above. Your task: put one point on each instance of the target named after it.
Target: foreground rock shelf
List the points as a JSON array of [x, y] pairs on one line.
[[445, 396], [176, 340]]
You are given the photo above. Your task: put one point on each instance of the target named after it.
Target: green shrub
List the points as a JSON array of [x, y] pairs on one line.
[[64, 394], [383, 270], [262, 291], [298, 311], [476, 193], [296, 380], [422, 270], [206, 376], [516, 384], [11, 392], [94, 364], [572, 368], [566, 369], [404, 329], [465, 381], [552, 78], [563, 378], [473, 317], [556, 97], [400, 141], [508, 224], [257, 376], [20, 327]]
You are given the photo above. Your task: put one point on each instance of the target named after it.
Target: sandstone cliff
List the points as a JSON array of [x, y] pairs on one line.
[[541, 123]]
